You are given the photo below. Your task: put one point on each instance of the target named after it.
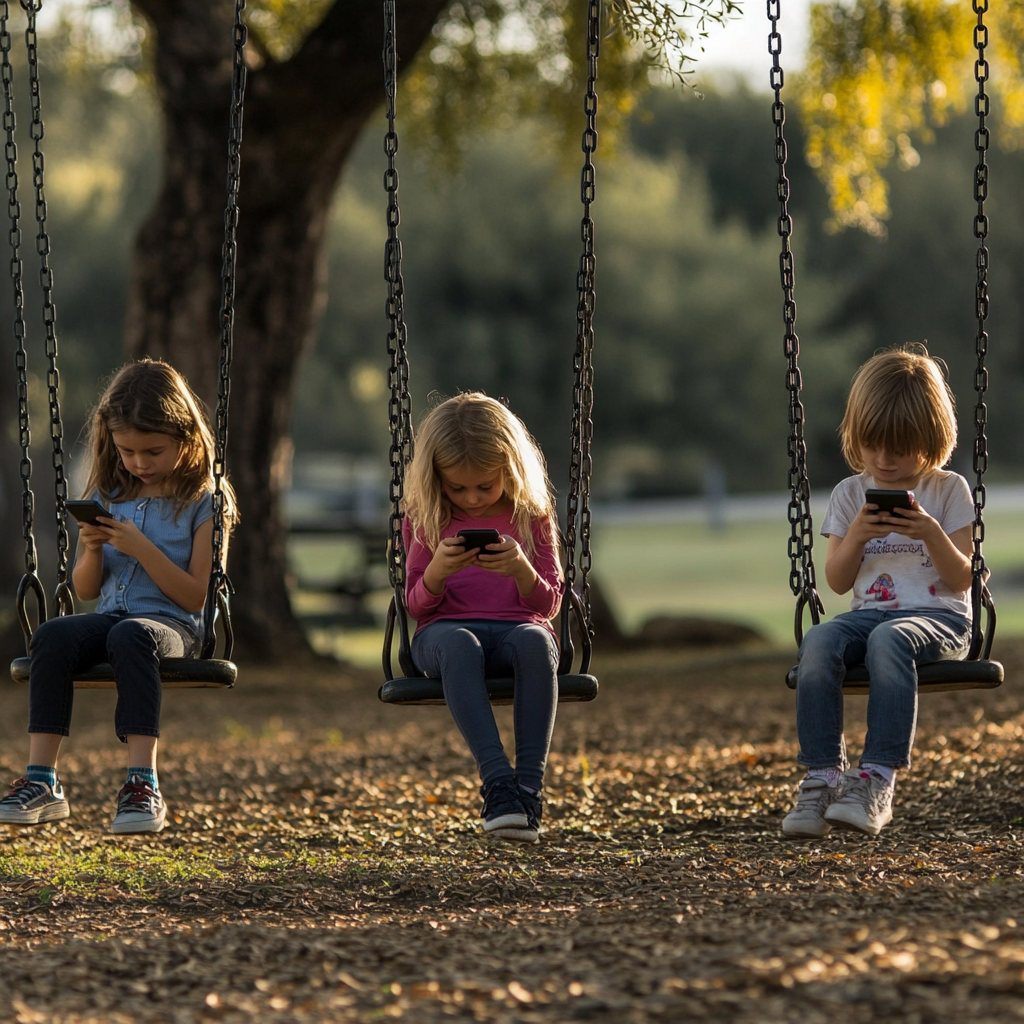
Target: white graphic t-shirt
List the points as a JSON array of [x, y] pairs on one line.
[[897, 572]]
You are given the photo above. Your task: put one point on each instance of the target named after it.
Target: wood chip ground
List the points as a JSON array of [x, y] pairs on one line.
[[324, 863]]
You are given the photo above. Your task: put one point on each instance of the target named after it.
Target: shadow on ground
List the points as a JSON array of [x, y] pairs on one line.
[[323, 862]]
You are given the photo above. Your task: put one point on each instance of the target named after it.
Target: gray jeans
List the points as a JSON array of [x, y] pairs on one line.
[[463, 653], [892, 644]]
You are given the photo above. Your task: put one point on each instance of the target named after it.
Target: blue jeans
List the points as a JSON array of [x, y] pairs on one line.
[[462, 653], [133, 646], [892, 644]]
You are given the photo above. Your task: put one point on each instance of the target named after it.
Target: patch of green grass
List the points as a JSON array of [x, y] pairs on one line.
[[87, 871]]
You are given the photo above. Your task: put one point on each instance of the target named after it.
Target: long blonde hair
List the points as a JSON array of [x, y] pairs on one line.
[[150, 396], [900, 401], [474, 430]]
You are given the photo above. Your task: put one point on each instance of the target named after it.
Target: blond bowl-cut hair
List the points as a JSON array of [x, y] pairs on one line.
[[900, 401], [474, 430]]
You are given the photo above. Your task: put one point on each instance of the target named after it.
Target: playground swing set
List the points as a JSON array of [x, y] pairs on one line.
[[977, 672], [413, 688], [206, 670]]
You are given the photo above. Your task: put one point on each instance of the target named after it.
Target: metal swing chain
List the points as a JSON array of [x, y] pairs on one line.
[[64, 598], [981, 305], [220, 585], [580, 459], [400, 402], [802, 580], [30, 581]]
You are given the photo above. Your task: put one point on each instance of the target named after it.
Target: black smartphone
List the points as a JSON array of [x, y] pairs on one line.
[[479, 539], [86, 510], [889, 501]]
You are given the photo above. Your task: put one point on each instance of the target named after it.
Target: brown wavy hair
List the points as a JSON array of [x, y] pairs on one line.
[[152, 397], [472, 429], [900, 401]]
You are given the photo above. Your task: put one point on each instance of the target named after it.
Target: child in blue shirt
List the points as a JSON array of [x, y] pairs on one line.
[[149, 564]]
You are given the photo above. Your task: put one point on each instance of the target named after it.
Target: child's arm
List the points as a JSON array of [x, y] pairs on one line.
[[540, 582], [842, 562], [950, 552], [185, 587], [87, 575]]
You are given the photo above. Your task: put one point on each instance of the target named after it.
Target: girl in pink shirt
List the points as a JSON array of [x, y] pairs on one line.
[[484, 611]]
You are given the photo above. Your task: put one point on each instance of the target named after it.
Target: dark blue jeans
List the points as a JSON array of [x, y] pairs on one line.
[[892, 644], [133, 646], [462, 653]]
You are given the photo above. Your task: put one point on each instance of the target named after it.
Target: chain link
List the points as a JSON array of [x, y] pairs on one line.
[[14, 239], [64, 597], [582, 435], [400, 401], [220, 585], [981, 304], [802, 580]]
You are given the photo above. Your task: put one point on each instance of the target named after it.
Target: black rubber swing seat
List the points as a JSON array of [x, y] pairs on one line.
[[572, 689], [175, 674], [937, 677]]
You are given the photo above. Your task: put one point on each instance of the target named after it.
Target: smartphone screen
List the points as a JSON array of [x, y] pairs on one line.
[[889, 501], [86, 510], [479, 538]]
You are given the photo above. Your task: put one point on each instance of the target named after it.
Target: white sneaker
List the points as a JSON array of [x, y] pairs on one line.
[[140, 808], [807, 819], [864, 803]]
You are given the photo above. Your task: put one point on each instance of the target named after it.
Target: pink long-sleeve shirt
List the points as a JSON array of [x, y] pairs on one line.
[[475, 593]]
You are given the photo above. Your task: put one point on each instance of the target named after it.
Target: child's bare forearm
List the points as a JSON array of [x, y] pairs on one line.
[[176, 584], [87, 575]]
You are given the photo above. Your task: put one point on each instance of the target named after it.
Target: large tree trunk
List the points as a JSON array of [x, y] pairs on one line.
[[302, 118]]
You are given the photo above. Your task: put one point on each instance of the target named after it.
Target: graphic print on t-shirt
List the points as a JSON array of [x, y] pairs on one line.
[[883, 588]]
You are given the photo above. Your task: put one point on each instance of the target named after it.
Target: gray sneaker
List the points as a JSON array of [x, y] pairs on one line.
[[32, 803], [864, 803], [807, 819], [140, 808]]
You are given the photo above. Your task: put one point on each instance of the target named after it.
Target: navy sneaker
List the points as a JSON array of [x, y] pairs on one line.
[[140, 808], [534, 804], [503, 806], [32, 803]]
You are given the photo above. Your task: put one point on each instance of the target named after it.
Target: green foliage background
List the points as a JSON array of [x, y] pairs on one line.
[[689, 364]]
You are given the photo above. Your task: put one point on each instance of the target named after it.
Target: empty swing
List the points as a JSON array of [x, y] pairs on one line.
[[977, 671], [206, 670], [413, 687]]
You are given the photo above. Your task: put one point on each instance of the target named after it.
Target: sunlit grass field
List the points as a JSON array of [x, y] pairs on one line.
[[739, 573]]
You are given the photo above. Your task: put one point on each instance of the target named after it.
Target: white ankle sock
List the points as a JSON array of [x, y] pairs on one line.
[[830, 775], [884, 770]]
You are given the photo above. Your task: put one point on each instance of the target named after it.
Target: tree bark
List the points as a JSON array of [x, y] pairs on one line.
[[302, 118]]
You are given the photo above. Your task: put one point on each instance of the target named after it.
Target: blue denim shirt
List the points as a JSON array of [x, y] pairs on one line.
[[127, 588]]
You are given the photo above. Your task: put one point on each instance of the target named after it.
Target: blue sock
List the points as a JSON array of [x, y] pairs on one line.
[[145, 775], [42, 773]]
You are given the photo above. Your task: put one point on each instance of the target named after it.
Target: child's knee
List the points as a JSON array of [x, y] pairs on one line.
[[130, 634]]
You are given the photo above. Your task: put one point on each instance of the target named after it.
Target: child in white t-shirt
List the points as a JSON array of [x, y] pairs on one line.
[[910, 572]]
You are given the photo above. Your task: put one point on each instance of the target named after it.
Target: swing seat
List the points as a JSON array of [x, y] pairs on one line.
[[413, 689], [937, 677], [572, 689], [175, 674]]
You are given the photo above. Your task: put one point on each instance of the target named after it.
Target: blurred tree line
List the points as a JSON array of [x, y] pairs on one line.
[[689, 367], [689, 364]]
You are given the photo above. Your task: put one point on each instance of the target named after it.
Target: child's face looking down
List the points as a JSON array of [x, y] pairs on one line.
[[476, 492], [892, 472], [151, 458]]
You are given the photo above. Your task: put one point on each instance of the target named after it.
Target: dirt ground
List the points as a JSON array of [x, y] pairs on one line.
[[325, 864]]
